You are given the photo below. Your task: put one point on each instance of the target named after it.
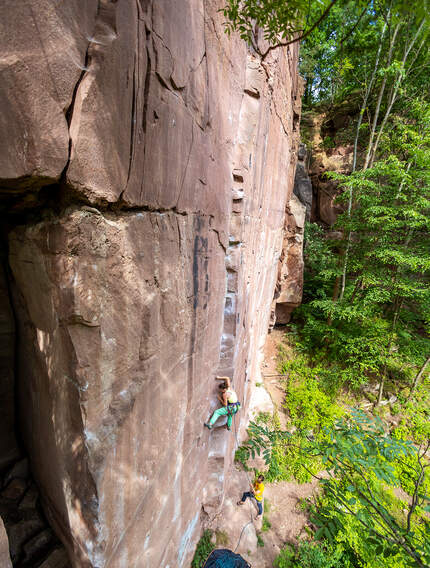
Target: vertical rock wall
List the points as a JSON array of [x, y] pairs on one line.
[[150, 159]]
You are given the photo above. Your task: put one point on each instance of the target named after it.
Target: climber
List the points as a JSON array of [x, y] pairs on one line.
[[256, 493], [230, 404]]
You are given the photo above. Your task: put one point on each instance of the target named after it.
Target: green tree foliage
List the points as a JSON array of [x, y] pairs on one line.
[[339, 58], [281, 22], [360, 506], [381, 326], [311, 410], [312, 555]]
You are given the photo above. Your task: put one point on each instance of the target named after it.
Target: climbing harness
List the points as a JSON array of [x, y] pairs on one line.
[[233, 407]]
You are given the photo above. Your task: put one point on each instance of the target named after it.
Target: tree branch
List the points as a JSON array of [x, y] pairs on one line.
[[354, 27], [303, 36]]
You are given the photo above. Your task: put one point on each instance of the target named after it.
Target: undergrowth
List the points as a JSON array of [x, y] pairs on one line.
[[311, 555], [203, 549], [314, 409]]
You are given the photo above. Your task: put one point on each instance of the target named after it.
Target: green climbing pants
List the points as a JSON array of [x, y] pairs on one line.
[[224, 411]]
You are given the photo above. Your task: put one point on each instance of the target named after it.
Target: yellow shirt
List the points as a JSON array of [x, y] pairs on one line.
[[258, 490]]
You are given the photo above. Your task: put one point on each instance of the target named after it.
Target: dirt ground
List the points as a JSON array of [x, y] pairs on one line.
[[272, 381], [282, 499]]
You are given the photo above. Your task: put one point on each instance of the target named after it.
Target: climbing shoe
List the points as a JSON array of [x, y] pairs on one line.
[[209, 426], [228, 428]]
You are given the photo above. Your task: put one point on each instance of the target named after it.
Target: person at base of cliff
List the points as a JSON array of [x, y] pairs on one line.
[[230, 404], [257, 489]]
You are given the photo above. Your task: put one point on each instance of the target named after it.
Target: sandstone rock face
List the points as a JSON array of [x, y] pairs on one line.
[[325, 208], [289, 285], [43, 46], [151, 266], [302, 183]]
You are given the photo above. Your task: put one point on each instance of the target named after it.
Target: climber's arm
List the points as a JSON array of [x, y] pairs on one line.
[[226, 379], [223, 398]]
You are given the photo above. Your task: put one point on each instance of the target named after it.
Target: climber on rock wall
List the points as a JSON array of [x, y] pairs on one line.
[[230, 404]]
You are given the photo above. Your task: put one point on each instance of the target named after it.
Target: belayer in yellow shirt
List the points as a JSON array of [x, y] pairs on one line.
[[256, 493]]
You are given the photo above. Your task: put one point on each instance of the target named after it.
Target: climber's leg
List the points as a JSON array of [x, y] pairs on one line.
[[229, 421], [218, 412], [244, 497]]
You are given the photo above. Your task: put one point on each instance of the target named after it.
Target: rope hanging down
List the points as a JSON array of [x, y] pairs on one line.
[[251, 521], [250, 482]]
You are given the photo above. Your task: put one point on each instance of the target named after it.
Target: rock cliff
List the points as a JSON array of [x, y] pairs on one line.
[[146, 173], [328, 135]]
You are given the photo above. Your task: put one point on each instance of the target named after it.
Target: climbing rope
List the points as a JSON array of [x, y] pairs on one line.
[[251, 507], [250, 482]]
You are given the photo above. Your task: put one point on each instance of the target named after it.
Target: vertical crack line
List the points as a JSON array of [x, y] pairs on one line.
[[135, 99], [133, 117], [145, 107], [206, 119], [69, 112], [190, 373], [187, 164]]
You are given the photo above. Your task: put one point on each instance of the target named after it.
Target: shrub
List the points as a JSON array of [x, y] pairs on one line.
[[241, 456], [203, 549], [285, 558], [311, 555], [310, 408], [266, 524]]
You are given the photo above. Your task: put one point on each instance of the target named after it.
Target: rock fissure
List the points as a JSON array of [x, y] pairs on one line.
[[133, 123], [69, 112], [145, 105], [226, 55], [222, 245], [187, 163]]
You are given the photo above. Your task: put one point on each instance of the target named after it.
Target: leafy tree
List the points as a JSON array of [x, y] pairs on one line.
[[363, 467], [282, 22], [379, 326]]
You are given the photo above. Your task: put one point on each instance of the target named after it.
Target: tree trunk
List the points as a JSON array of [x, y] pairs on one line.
[[334, 297], [379, 100], [354, 160], [358, 286], [418, 377], [398, 305], [394, 92]]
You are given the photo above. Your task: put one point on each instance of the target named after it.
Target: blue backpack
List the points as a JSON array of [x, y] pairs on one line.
[[224, 558]]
